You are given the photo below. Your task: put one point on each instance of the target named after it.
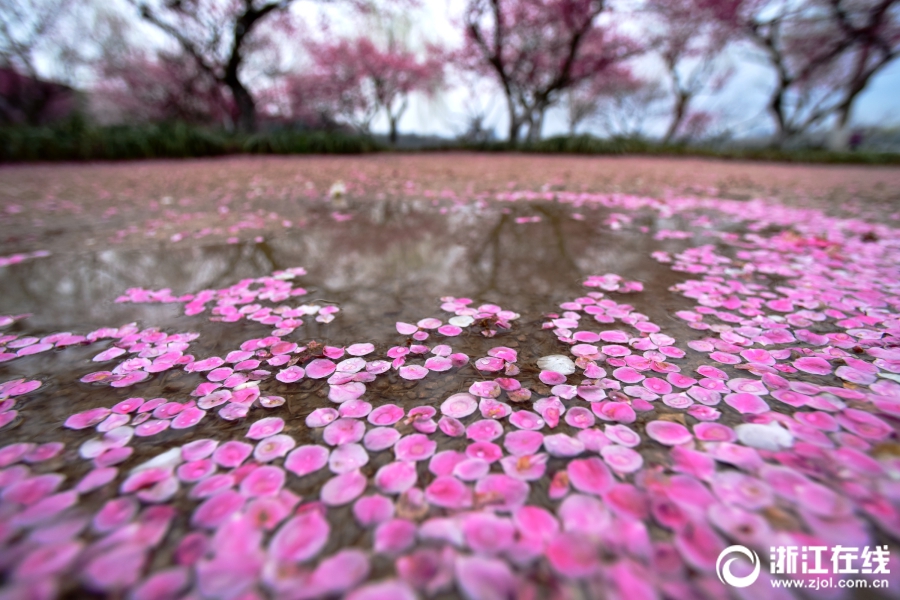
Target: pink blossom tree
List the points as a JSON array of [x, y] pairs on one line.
[[24, 99], [689, 40], [356, 80], [30, 29], [621, 104], [874, 28], [324, 99], [537, 49], [138, 86], [823, 52], [584, 100], [218, 36]]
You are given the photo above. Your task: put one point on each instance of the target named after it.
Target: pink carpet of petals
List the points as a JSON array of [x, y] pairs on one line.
[[765, 412]]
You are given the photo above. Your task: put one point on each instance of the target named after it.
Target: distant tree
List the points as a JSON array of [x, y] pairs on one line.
[[358, 79], [163, 87], [27, 100], [690, 40], [874, 29], [538, 49], [476, 110], [625, 105], [326, 100], [823, 52], [218, 36], [27, 27], [584, 100]]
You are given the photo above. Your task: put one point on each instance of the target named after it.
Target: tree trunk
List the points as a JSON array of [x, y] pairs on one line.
[[681, 103], [246, 106], [393, 135], [535, 125], [515, 124], [839, 139], [841, 136], [394, 119], [776, 107]]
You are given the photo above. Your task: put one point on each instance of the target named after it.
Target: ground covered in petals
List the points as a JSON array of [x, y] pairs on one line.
[[442, 376]]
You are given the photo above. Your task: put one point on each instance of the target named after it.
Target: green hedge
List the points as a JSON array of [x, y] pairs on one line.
[[586, 144], [76, 141]]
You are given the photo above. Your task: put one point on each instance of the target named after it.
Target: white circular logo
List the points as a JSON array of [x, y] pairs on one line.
[[724, 571]]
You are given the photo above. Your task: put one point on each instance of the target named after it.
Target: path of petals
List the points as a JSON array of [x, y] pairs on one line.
[[624, 461]]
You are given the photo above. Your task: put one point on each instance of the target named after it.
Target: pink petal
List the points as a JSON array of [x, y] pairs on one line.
[[459, 405], [413, 372], [374, 509], [414, 447], [481, 577], [188, 418], [291, 374], [344, 431], [380, 438], [320, 368], [590, 475], [276, 446], [390, 589], [300, 538], [265, 427], [387, 414], [448, 492], [231, 454], [343, 489], [306, 459], [746, 403], [394, 536], [347, 457], [216, 509], [573, 555], [264, 481], [668, 433]]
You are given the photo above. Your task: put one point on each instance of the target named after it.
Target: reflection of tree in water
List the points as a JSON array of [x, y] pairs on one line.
[[391, 262], [550, 258], [81, 288], [513, 256]]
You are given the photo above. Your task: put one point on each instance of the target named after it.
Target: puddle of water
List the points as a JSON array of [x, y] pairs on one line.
[[393, 261]]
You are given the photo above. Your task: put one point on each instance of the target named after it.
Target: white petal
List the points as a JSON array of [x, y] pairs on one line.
[[558, 363]]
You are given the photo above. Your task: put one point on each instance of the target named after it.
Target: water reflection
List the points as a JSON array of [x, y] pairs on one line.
[[392, 261]]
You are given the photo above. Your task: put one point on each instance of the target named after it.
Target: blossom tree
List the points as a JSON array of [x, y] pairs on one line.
[[327, 99], [874, 28], [689, 40], [584, 100], [823, 52], [537, 49], [164, 87], [30, 92], [26, 26], [218, 36], [357, 80], [621, 105]]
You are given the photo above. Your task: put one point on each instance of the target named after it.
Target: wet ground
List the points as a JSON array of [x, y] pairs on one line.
[[388, 240]]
